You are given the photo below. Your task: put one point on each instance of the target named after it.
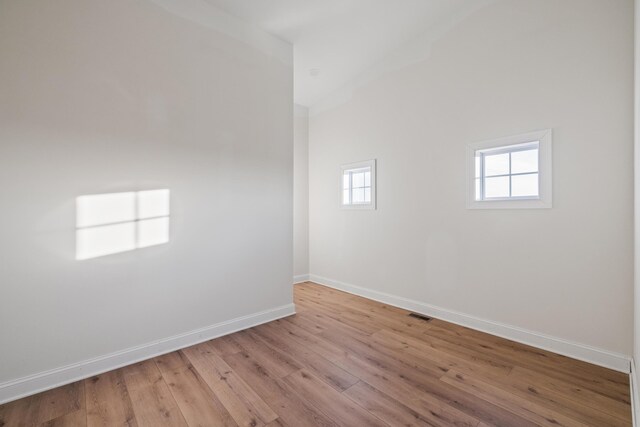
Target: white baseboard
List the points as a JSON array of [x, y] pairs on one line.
[[42, 381], [597, 356], [635, 398], [301, 278]]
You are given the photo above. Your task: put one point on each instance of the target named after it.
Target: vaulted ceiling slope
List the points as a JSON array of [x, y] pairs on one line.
[[335, 41]]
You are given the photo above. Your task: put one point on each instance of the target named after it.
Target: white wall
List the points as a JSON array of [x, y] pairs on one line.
[[636, 299], [122, 95], [512, 67], [300, 193]]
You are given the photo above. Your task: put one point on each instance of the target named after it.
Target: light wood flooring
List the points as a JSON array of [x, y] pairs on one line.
[[342, 360]]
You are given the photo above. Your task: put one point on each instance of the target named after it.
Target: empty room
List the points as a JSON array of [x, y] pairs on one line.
[[319, 213]]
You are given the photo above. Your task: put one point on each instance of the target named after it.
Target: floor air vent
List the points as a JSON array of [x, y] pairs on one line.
[[420, 316]]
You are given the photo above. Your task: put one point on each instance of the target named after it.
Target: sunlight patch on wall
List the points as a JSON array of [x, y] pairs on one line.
[[119, 222]]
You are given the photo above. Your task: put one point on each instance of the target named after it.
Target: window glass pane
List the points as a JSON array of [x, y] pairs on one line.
[[524, 161], [477, 166], [496, 164], [496, 187], [367, 195], [524, 185], [358, 180], [478, 195], [357, 183]]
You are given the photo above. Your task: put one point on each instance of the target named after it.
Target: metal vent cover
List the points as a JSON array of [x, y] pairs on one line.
[[420, 316]]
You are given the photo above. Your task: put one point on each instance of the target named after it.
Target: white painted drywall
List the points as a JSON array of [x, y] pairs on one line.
[[100, 97], [300, 192], [511, 67], [339, 39], [636, 293]]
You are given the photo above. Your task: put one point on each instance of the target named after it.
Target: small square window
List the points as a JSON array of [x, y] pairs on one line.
[[359, 185], [510, 173]]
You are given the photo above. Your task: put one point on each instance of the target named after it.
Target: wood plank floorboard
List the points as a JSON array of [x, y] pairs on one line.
[[342, 360]]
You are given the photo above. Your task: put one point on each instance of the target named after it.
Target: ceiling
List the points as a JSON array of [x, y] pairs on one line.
[[337, 40]]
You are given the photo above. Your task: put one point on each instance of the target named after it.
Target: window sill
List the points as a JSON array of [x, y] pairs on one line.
[[510, 204], [369, 207]]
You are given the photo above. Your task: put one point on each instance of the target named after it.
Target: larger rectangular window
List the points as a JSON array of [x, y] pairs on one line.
[[510, 173]]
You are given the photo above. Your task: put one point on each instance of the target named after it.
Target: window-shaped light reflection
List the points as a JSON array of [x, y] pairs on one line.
[[153, 204], [101, 209], [153, 232], [118, 222], [103, 240]]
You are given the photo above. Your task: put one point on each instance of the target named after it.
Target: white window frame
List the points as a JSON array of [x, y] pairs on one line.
[[359, 165], [544, 199]]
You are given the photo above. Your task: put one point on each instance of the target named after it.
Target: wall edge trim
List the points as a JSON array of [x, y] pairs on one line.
[[300, 279], [635, 398], [574, 350], [46, 380]]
